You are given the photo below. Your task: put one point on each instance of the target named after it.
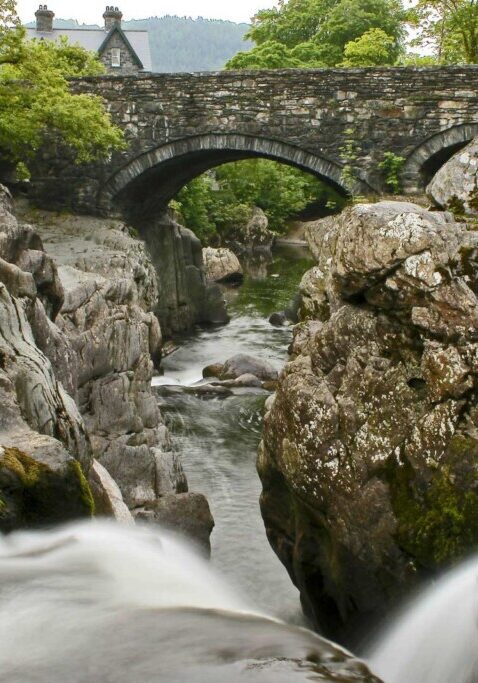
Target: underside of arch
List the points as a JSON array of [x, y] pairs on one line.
[[428, 157], [147, 183]]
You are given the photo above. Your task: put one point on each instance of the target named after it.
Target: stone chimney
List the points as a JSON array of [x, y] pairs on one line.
[[112, 17], [44, 18]]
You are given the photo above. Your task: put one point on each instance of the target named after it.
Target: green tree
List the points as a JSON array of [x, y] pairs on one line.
[[218, 204], [373, 48], [450, 28], [314, 33], [35, 100]]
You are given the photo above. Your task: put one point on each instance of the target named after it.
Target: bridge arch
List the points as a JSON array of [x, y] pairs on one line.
[[151, 179], [428, 157]]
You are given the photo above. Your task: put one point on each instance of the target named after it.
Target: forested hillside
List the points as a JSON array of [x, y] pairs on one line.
[[185, 44]]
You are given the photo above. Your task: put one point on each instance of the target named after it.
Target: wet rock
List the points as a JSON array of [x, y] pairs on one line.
[[185, 513], [371, 444], [209, 391], [221, 265], [278, 319], [243, 364], [214, 370], [455, 185], [107, 495], [40, 483]]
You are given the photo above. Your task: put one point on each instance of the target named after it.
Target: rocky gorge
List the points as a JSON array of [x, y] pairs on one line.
[[367, 438], [369, 459], [80, 339]]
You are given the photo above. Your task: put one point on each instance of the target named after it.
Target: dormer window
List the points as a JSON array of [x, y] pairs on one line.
[[116, 57]]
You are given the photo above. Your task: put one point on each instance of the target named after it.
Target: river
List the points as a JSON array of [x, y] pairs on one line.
[[218, 438]]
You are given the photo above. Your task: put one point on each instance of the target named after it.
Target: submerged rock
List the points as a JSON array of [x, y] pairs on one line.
[[455, 185], [369, 460], [221, 265]]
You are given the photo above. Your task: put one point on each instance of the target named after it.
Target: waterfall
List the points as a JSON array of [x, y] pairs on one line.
[[435, 639], [96, 601]]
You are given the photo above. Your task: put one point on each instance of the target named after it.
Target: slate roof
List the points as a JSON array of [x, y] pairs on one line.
[[95, 39]]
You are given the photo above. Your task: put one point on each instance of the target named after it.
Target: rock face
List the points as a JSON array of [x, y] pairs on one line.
[[455, 186], [369, 460], [185, 297], [44, 447], [110, 290], [221, 265], [79, 427]]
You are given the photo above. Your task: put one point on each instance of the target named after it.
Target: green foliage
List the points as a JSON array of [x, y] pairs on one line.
[[35, 101], [314, 33], [392, 165], [449, 28], [348, 155], [373, 48], [218, 204]]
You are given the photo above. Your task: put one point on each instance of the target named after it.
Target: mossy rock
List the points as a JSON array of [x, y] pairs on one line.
[[32, 494], [438, 520]]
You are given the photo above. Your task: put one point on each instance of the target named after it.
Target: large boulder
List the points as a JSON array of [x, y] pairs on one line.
[[242, 364], [186, 513], [455, 186], [256, 233], [221, 265], [369, 460]]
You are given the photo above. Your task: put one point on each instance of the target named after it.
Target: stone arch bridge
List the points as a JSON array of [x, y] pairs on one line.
[[179, 125]]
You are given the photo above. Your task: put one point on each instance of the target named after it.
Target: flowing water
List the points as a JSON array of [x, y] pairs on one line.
[[218, 438], [435, 639], [96, 602]]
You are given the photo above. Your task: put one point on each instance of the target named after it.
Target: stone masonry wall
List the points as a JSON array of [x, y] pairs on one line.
[[313, 112]]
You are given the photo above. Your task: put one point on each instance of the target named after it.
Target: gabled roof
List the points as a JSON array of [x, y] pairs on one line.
[[122, 34], [94, 39]]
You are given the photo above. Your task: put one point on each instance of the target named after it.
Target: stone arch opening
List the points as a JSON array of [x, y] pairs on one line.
[[429, 157], [145, 185]]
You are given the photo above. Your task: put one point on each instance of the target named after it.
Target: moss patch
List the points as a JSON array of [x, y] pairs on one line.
[[28, 470], [85, 491], [437, 523]]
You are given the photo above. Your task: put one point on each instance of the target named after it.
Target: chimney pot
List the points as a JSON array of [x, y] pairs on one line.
[[112, 17], [44, 18]]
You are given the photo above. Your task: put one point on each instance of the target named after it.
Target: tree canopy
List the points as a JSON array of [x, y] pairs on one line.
[[314, 33], [218, 204], [35, 100], [449, 28]]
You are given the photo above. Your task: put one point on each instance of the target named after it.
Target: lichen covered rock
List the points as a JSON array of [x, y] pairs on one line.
[[369, 460], [221, 265], [455, 185]]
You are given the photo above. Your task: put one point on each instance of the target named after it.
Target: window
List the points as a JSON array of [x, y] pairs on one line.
[[116, 57]]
